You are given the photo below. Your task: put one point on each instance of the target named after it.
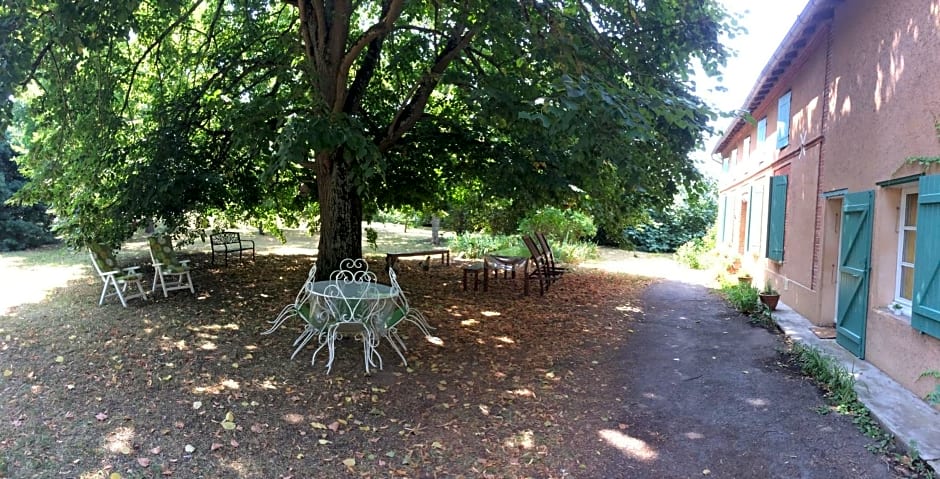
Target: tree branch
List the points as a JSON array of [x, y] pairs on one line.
[[391, 11], [412, 110], [157, 41]]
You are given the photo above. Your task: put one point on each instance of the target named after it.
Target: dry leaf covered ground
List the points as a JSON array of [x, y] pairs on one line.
[[187, 387]]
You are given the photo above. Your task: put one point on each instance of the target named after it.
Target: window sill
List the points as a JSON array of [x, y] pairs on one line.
[[899, 315]]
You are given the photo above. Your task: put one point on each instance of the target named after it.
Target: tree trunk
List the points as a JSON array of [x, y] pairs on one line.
[[340, 214], [435, 230]]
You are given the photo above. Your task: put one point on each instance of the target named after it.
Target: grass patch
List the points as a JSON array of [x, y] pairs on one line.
[[838, 385]]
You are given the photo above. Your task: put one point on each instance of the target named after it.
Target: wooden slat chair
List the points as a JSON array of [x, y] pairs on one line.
[[541, 269], [557, 269], [121, 280], [170, 273]]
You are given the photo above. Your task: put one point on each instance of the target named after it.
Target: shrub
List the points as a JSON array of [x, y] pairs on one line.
[[475, 245], [676, 225], [743, 298], [560, 225], [700, 252]]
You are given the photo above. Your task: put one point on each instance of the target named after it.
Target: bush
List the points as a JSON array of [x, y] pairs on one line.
[[672, 227], [560, 225], [700, 252], [475, 245], [744, 298]]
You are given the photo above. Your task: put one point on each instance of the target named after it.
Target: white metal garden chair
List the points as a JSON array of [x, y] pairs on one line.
[[400, 311], [301, 301], [122, 281], [171, 274]]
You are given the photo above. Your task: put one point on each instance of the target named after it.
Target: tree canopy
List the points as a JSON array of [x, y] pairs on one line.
[[172, 111]]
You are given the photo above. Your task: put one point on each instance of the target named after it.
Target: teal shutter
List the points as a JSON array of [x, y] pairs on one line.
[[854, 271], [725, 165], [761, 131], [777, 217], [925, 309], [783, 121]]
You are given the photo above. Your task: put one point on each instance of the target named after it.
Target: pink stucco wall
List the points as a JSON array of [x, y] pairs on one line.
[[865, 97]]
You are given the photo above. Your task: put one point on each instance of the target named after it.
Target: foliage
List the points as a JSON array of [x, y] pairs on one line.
[[742, 297], [699, 253], [21, 226], [667, 229], [934, 396], [839, 387], [838, 383], [565, 226], [174, 112], [575, 252], [475, 245], [372, 237], [769, 288]]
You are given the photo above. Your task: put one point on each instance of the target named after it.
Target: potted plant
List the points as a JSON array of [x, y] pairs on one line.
[[769, 296], [744, 279]]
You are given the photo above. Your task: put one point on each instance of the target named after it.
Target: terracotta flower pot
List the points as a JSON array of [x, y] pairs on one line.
[[770, 300], [744, 280]]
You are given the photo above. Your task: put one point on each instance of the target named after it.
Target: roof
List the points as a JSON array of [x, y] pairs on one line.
[[815, 14]]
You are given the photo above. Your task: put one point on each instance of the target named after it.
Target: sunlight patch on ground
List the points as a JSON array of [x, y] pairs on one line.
[[490, 313], [120, 440], [631, 446], [758, 402], [24, 284], [694, 435], [522, 440]]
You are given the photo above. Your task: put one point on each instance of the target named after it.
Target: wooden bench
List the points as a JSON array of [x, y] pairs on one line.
[[392, 258], [228, 242]]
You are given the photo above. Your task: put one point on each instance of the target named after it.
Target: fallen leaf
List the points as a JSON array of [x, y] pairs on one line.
[[190, 448], [349, 462], [155, 450], [197, 404], [101, 416], [143, 461], [215, 446]]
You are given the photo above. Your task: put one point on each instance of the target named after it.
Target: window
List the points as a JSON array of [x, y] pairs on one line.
[[762, 139], [746, 150], [777, 217], [755, 217], [725, 164], [907, 241], [783, 121], [734, 156]]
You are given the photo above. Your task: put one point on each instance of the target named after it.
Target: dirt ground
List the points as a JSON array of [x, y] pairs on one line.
[[601, 377]]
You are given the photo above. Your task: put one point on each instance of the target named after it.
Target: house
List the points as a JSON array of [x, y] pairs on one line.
[[830, 187]]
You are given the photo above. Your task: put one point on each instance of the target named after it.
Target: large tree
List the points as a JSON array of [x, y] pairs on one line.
[[174, 110]]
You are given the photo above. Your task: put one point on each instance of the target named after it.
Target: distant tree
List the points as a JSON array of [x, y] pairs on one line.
[[21, 227]]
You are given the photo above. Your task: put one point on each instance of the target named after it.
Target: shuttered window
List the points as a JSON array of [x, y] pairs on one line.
[[762, 139], [783, 121], [756, 216], [722, 228], [925, 309], [776, 217]]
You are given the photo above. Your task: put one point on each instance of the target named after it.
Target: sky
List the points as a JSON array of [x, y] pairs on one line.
[[767, 22]]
